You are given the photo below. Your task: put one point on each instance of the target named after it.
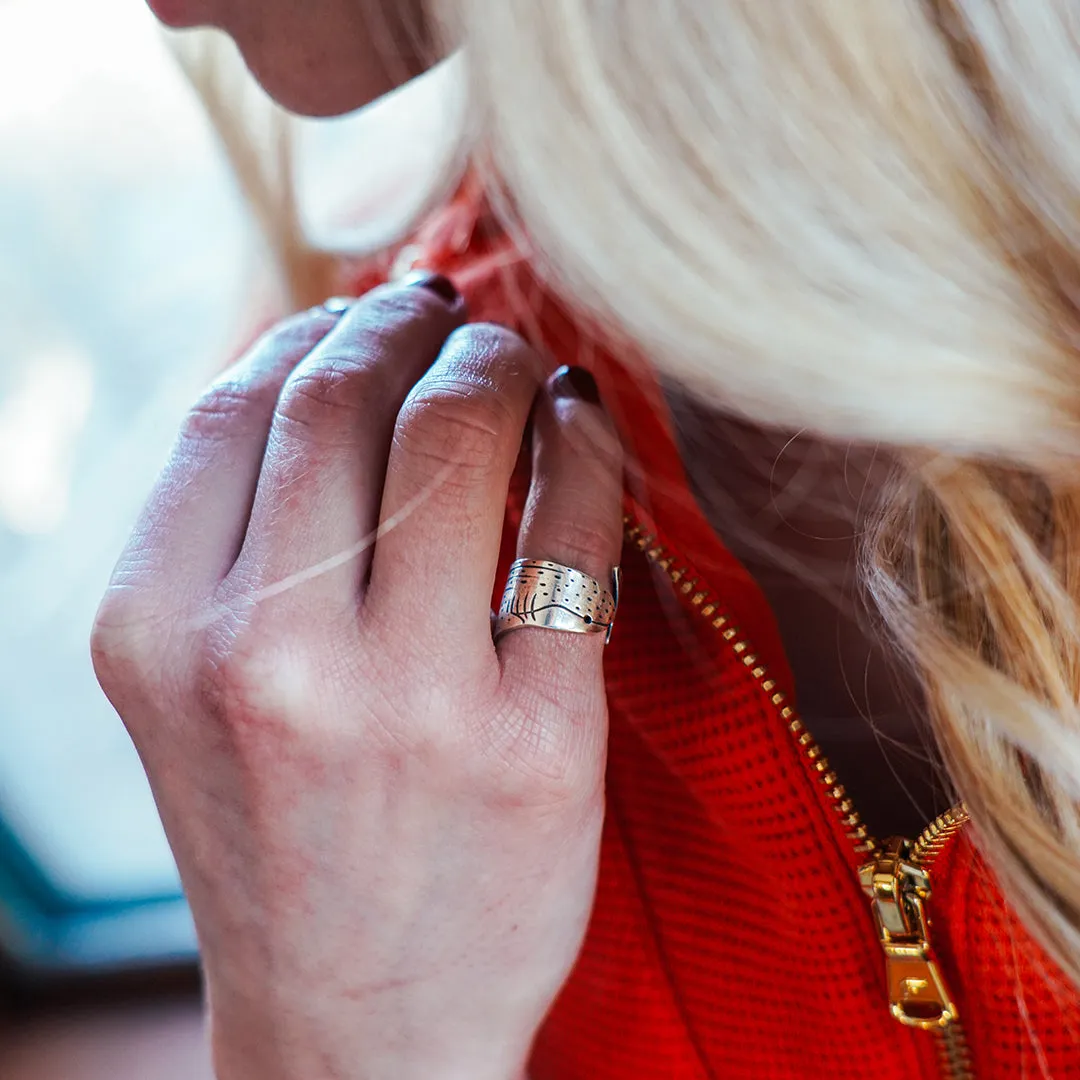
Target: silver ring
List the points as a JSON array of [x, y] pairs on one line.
[[556, 597]]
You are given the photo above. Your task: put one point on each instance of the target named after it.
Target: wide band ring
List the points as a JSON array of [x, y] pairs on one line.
[[556, 597]]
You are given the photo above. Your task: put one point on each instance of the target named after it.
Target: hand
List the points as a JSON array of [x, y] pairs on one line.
[[387, 826]]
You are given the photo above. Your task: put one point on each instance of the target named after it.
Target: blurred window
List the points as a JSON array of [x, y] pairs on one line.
[[129, 266], [114, 310]]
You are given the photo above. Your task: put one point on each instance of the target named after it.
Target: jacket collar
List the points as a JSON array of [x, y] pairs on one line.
[[465, 241]]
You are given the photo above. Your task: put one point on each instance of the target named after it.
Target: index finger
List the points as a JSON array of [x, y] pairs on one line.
[[193, 524]]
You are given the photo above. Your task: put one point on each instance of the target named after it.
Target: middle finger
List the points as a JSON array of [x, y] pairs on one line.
[[454, 450]]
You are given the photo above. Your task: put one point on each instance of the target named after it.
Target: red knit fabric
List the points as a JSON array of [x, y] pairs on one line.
[[730, 937]]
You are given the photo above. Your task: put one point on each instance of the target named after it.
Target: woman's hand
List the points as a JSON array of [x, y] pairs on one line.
[[387, 826]]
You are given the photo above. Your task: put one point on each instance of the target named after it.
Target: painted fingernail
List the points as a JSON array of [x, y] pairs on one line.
[[441, 286], [575, 382], [337, 305]]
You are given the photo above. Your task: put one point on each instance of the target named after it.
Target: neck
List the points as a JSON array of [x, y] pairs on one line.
[[793, 508]]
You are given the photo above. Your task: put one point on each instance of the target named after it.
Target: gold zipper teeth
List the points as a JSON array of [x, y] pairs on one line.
[[934, 837], [954, 1057], [708, 607]]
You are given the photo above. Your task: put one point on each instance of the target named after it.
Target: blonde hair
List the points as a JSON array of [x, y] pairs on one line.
[[857, 218]]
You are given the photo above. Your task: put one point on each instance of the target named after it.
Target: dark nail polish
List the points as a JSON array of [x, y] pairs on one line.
[[575, 382], [441, 286]]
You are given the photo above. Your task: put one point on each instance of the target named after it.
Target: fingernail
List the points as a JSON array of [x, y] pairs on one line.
[[337, 305], [575, 382], [441, 286]]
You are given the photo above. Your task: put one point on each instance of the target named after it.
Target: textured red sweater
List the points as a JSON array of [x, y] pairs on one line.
[[731, 935]]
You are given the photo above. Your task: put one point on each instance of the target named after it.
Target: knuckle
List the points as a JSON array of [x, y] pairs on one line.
[[483, 345], [584, 541], [261, 707], [226, 410], [111, 649], [256, 686], [319, 394], [241, 397], [129, 643], [383, 333], [454, 423], [226, 678], [456, 416]]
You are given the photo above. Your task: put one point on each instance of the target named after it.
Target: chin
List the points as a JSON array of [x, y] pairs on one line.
[[309, 97], [308, 66], [179, 14], [309, 86]]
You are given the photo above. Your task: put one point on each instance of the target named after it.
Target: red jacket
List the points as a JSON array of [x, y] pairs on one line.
[[732, 936]]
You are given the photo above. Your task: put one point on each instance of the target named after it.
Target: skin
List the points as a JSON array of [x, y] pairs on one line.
[[792, 508], [387, 825], [323, 58]]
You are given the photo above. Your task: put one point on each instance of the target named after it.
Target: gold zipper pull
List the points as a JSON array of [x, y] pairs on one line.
[[899, 888]]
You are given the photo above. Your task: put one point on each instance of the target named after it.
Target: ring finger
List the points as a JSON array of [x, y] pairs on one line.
[[573, 517]]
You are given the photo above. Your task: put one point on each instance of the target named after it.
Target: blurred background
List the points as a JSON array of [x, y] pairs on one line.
[[130, 270]]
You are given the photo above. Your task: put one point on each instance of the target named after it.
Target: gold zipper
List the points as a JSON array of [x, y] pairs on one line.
[[932, 839], [919, 996], [897, 881], [897, 873], [707, 606]]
